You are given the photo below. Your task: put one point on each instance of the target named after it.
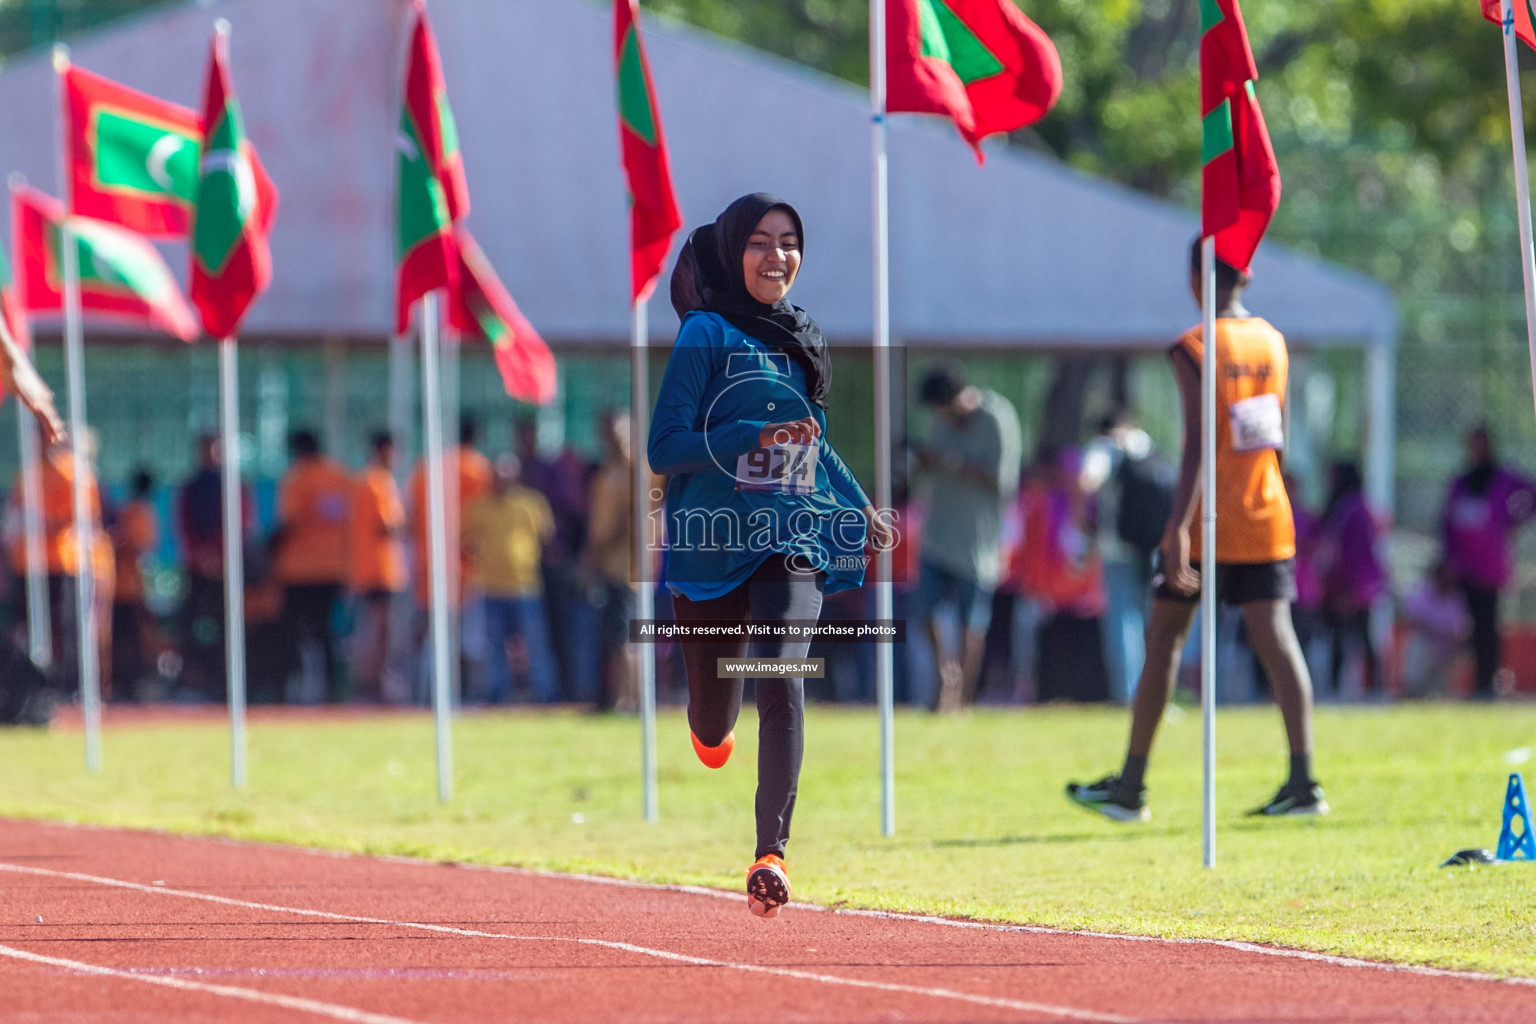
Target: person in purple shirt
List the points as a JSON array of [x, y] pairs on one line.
[[1484, 507], [1350, 571]]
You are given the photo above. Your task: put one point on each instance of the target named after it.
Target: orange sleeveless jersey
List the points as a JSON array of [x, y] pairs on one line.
[[1253, 514]]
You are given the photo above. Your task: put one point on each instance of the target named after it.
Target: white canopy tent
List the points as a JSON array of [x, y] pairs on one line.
[[1013, 255]]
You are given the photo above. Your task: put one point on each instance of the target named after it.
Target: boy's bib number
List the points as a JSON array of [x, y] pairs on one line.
[[1257, 424], [779, 469]]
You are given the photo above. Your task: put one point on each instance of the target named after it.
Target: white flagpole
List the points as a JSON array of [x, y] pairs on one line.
[[645, 587], [234, 562], [39, 625], [884, 603], [1208, 544], [39, 618], [74, 365], [448, 382], [437, 544], [85, 580], [1522, 178]]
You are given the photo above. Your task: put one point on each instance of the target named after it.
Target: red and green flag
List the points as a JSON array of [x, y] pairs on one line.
[[132, 158], [653, 213], [10, 310], [1241, 181], [1493, 10], [122, 276], [234, 208], [432, 193], [482, 308], [981, 63]]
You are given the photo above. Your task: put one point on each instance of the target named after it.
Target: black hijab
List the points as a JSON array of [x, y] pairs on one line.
[[708, 277]]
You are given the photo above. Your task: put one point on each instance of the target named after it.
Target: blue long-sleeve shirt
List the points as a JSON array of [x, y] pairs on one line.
[[720, 389]]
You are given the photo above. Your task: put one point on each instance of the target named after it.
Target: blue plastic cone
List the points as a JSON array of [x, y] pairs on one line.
[[1517, 843]]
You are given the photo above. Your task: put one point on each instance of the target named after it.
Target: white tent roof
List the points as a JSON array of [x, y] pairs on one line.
[[1023, 252]]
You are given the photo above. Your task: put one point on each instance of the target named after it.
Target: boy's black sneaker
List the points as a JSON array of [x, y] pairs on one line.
[[1109, 798], [1301, 801]]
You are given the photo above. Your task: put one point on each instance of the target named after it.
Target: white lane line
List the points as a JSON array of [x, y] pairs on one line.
[[1329, 959], [250, 995], [1047, 1009], [1239, 945]]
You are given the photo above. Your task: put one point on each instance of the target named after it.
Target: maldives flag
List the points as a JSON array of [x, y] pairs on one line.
[[981, 63], [1493, 10], [10, 311], [432, 192], [132, 158], [234, 208], [481, 308], [122, 277], [653, 214], [1241, 181]]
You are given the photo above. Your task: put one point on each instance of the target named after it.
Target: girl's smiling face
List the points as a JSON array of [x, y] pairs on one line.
[[772, 257]]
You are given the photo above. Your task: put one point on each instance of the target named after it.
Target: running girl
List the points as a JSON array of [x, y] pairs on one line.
[[763, 516]]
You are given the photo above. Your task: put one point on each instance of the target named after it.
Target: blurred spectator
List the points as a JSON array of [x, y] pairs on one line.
[[200, 530], [1022, 580], [467, 475], [377, 571], [504, 536], [1307, 609], [135, 532], [608, 565], [1483, 509], [314, 508], [1351, 572], [1435, 616], [61, 556], [1133, 492], [971, 459], [1069, 584], [562, 481], [472, 470]]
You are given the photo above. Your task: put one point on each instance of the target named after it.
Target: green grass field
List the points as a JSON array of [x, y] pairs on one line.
[[982, 828]]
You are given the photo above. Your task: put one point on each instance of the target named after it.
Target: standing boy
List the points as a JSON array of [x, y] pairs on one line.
[[1255, 548]]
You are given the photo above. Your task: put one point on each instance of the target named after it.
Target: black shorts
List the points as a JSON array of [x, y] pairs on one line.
[[1238, 583]]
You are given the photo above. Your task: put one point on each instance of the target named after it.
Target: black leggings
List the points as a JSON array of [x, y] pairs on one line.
[[771, 594]]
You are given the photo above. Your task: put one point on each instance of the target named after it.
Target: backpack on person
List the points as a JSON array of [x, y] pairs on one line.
[[1146, 500]]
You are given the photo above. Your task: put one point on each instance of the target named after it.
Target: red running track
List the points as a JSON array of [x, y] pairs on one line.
[[141, 927]]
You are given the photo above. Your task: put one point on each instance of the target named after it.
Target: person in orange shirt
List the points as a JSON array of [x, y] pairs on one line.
[[473, 474], [1255, 548], [310, 548], [377, 571], [134, 533], [61, 554]]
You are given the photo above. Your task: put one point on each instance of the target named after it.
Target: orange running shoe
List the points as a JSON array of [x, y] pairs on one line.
[[767, 886], [714, 757]]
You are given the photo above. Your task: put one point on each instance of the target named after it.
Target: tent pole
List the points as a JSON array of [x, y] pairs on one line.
[[884, 602], [1522, 178]]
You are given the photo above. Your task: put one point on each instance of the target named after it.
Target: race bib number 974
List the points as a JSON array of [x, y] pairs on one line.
[[779, 469], [1257, 424]]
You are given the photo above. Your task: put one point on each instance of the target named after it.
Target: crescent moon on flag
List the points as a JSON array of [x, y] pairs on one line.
[[160, 154]]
